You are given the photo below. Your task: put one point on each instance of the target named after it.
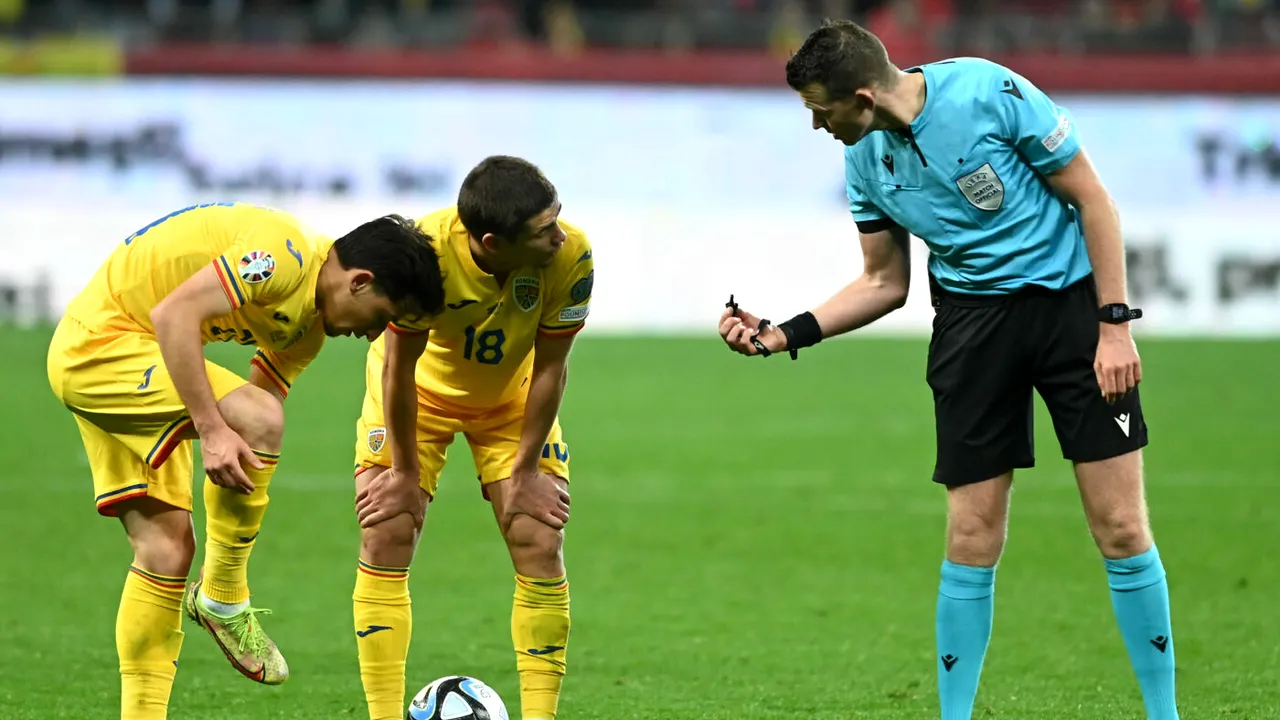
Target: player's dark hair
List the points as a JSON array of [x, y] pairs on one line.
[[501, 195], [400, 255], [842, 57]]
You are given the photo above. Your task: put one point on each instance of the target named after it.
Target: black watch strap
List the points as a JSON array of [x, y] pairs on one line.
[[1117, 313]]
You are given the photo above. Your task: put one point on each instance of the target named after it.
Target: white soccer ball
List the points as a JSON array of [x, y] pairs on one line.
[[457, 697]]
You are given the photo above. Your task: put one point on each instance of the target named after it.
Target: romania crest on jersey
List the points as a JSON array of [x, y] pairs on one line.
[[525, 291], [377, 438]]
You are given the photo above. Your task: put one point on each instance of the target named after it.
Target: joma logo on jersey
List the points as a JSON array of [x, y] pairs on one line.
[[983, 188], [525, 292]]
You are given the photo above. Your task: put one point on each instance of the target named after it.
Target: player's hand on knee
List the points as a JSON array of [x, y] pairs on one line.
[[388, 495], [1117, 365], [539, 496], [223, 451]]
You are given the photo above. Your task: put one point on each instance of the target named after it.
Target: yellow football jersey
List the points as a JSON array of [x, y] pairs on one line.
[[480, 349], [267, 262]]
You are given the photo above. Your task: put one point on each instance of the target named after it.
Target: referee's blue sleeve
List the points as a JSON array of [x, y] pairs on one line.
[[1044, 133], [860, 206]]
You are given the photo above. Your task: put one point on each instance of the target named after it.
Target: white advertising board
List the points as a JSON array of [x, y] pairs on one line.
[[688, 194], [672, 270], [166, 140]]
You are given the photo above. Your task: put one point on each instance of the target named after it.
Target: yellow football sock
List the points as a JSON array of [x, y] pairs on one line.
[[384, 623], [540, 632], [232, 523], [148, 641]]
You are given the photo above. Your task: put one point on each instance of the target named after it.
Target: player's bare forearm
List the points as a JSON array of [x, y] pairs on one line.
[[1078, 183], [400, 398], [179, 338], [546, 391], [177, 321], [881, 289]]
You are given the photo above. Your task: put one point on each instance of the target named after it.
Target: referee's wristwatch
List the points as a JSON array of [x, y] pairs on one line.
[[1118, 313]]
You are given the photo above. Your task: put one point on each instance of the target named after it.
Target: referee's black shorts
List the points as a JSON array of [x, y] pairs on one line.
[[986, 355]]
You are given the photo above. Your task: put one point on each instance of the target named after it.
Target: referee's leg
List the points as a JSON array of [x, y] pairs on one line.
[[982, 405], [1105, 444]]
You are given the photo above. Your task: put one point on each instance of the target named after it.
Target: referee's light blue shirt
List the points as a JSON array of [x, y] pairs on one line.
[[967, 179]]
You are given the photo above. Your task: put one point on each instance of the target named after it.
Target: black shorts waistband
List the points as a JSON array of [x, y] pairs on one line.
[[940, 296]]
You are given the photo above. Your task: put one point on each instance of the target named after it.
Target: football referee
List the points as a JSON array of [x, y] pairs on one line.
[[1027, 281]]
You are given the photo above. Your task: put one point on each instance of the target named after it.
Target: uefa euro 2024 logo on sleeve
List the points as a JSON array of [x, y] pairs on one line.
[[257, 266]]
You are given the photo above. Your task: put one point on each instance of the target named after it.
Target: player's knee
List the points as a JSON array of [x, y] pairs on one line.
[[533, 541], [257, 415], [390, 542], [165, 548]]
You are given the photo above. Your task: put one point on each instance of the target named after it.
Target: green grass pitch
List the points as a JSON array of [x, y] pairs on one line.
[[750, 540]]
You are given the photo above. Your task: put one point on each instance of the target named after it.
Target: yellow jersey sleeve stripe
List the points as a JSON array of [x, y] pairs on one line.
[[560, 331], [405, 331], [270, 370], [229, 284]]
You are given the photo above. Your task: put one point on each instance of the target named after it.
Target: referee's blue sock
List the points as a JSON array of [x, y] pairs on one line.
[[1140, 597], [966, 603]]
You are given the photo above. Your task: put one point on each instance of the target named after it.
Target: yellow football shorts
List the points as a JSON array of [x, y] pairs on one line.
[[131, 418], [493, 434]]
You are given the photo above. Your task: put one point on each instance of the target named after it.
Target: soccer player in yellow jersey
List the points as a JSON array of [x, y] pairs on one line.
[[491, 366], [127, 359]]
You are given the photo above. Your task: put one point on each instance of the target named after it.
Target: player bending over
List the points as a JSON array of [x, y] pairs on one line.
[[517, 288], [127, 359], [1027, 269]]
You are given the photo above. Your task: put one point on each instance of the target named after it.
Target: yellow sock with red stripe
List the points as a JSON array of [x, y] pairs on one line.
[[540, 633], [232, 523], [148, 641], [384, 624]]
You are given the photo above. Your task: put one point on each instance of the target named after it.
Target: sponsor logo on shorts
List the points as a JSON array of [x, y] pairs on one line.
[[577, 312], [983, 188], [257, 266], [1054, 140], [525, 292], [377, 438]]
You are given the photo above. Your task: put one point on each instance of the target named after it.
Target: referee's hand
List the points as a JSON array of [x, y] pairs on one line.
[[1117, 365], [737, 326]]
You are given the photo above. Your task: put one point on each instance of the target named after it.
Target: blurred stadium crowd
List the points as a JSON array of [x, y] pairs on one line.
[[941, 26]]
